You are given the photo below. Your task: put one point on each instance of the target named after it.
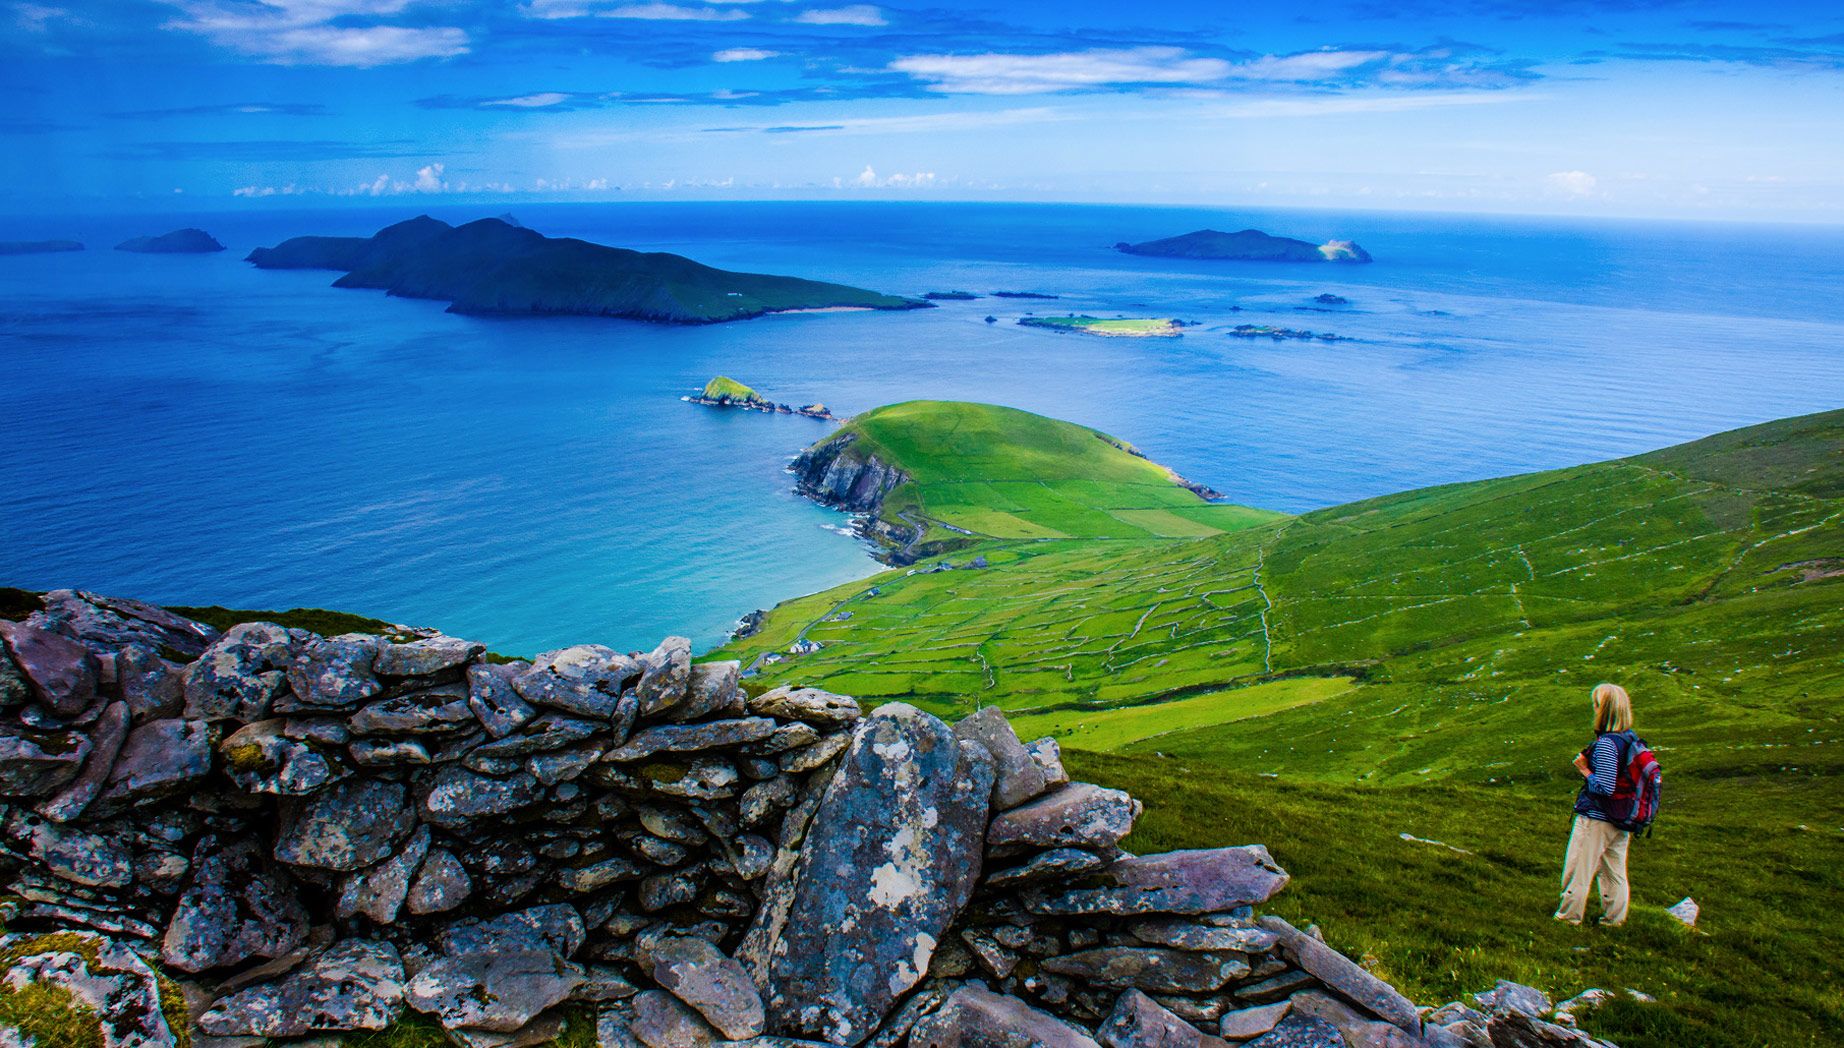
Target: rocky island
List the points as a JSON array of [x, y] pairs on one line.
[[37, 247], [1281, 334], [178, 242], [1024, 294], [1119, 327], [726, 392], [1248, 245], [491, 267], [950, 296]]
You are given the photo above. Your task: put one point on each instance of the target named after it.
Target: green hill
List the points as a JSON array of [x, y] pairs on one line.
[[726, 390], [1419, 664]]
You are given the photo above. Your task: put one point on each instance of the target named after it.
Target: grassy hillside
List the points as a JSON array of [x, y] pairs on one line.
[[1420, 664]]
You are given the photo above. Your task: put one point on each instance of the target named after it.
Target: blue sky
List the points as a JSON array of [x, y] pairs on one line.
[[1632, 107]]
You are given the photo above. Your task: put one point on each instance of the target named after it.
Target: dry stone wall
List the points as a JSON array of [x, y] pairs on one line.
[[266, 834]]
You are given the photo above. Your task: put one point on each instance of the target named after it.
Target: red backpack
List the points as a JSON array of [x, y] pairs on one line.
[[1634, 803]]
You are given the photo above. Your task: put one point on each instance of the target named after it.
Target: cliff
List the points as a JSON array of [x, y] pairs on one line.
[[37, 247], [490, 267], [266, 833], [1248, 245], [178, 242], [838, 473]]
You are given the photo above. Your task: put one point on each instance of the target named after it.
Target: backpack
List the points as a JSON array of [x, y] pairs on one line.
[[1636, 794]]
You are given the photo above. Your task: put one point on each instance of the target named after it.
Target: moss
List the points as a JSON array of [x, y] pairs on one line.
[[49, 1017], [664, 771], [247, 757]]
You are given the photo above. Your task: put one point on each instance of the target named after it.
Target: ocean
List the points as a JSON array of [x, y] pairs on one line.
[[190, 430]]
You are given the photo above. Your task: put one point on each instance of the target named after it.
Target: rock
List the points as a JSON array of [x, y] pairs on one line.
[[355, 984], [107, 623], [597, 876], [1358, 1030], [585, 680], [158, 759], [807, 758], [1300, 1031], [892, 856], [236, 908], [1018, 777], [347, 826], [1049, 758], [1138, 1021], [557, 927], [1344, 977], [1253, 1022], [119, 990], [430, 711], [426, 657], [262, 758], [106, 740], [1508, 996], [1509, 1029], [441, 885], [501, 990], [808, 705], [704, 780], [382, 754], [1079, 814], [334, 673], [978, 1018], [543, 734], [1685, 911], [1181, 882], [1150, 968], [457, 796], [663, 1021], [153, 687], [690, 738], [15, 688], [379, 892], [73, 854], [61, 672], [711, 691], [761, 801], [673, 888], [1055, 864], [1189, 935], [37, 763], [240, 674], [495, 702], [665, 672], [545, 1029], [699, 974]]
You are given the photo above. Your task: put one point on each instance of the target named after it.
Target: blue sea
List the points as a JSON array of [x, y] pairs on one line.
[[190, 430]]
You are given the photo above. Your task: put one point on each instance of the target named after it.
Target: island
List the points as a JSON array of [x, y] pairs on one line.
[[37, 247], [726, 392], [1119, 327], [1326, 298], [1280, 334], [178, 242], [1248, 245], [493, 268], [950, 296], [1023, 294]]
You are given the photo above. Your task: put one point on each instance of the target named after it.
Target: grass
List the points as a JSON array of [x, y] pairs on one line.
[[1120, 327], [51, 1016], [725, 388], [318, 620]]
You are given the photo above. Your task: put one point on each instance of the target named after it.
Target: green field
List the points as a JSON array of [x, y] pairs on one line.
[[1420, 664], [1118, 327]]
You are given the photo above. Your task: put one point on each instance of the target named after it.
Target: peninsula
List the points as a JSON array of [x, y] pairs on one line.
[[491, 267], [726, 392], [178, 242], [1248, 245], [37, 247]]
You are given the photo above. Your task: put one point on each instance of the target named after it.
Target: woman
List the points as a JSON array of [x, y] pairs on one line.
[[1597, 848]]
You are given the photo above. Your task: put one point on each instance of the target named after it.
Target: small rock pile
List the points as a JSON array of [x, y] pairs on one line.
[[303, 835]]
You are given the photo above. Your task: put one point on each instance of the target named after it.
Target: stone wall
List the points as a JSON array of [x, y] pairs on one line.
[[309, 835]]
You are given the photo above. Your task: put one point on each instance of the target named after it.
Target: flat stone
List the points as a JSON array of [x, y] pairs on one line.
[[661, 1020], [556, 927], [1509, 1029], [116, 622], [975, 1017], [389, 753], [38, 763], [499, 991], [72, 853], [585, 680], [1359, 1030], [158, 759], [1207, 880], [1300, 1031], [1248, 1023], [262, 758], [237, 908], [1192, 935], [1055, 864], [699, 974], [1507, 996], [665, 673], [1138, 1021], [106, 740], [495, 702], [762, 801], [441, 885], [333, 674], [116, 986], [1078, 815], [355, 984], [691, 738], [891, 858], [425, 657], [711, 691], [1150, 968], [347, 826], [457, 796], [1019, 778], [417, 713], [597, 876], [379, 892], [705, 779], [809, 705], [1344, 977], [240, 674], [61, 672], [543, 734]]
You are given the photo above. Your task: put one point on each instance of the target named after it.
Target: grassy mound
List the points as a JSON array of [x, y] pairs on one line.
[[724, 388], [1119, 327]]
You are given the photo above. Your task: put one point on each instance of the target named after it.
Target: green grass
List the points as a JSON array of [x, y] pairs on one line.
[[318, 620], [1119, 327], [724, 387]]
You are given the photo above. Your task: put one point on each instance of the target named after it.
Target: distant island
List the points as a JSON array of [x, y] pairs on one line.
[[1326, 298], [37, 247], [1120, 327], [950, 296], [1248, 245], [178, 242], [1022, 294], [1281, 334], [491, 267], [726, 392]]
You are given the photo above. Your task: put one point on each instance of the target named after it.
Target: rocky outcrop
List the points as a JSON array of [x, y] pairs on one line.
[[317, 835], [838, 474], [178, 242]]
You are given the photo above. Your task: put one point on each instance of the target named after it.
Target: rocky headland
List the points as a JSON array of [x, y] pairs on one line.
[[269, 835], [178, 242], [726, 392], [1247, 245], [492, 267], [37, 247]]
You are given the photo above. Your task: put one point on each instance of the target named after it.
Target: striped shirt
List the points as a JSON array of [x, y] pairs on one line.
[[1604, 772]]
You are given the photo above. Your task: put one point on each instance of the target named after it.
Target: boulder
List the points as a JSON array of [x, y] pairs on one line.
[[457, 796], [890, 860], [263, 758], [808, 705], [500, 991], [347, 826], [661, 1020], [159, 759], [557, 927], [38, 763], [1138, 1021], [426, 657], [237, 908], [1055, 864], [699, 974], [355, 984], [1248, 1023], [665, 673], [430, 711], [1359, 1030], [240, 674], [379, 892], [73, 854], [106, 740], [153, 687], [333, 673], [1508, 996], [441, 885], [119, 990], [975, 1017], [61, 672], [1017, 777], [1150, 968], [1344, 977], [1208, 880], [107, 623], [585, 680], [1077, 815], [710, 691], [495, 702]]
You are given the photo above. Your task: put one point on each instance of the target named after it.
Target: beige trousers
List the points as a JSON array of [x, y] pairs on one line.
[[1597, 855]]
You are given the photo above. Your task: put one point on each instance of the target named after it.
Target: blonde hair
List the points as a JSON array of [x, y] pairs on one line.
[[1613, 708]]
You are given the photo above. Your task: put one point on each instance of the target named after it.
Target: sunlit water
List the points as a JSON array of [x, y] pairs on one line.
[[191, 430]]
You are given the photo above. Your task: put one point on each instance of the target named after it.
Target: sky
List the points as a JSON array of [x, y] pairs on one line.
[[1710, 109]]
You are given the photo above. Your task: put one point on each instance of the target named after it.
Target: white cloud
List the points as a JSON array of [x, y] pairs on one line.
[[316, 32], [1307, 65], [429, 179], [869, 179], [541, 100], [854, 14], [743, 54], [1573, 183], [1014, 74], [36, 18], [663, 12]]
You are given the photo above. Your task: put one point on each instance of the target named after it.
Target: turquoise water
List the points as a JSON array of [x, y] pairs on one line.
[[192, 430]]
